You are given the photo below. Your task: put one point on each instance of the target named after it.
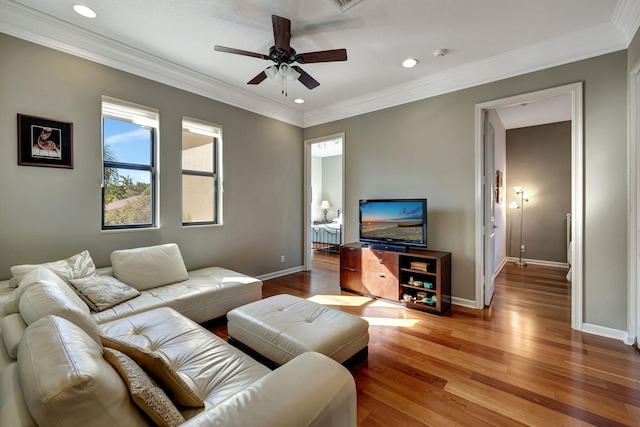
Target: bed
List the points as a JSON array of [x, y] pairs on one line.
[[326, 236]]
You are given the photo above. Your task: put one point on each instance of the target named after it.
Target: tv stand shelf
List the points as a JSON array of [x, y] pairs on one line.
[[391, 274]]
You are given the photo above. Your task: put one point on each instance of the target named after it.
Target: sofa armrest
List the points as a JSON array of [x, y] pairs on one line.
[[310, 390]]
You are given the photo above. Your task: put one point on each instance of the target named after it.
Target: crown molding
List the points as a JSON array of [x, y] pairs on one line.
[[28, 24], [595, 41], [627, 18]]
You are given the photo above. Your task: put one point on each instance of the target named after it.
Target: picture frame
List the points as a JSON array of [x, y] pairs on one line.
[[498, 188], [44, 142]]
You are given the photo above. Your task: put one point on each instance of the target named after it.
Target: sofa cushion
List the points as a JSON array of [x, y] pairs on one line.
[[102, 292], [13, 408], [66, 381], [74, 267], [149, 267], [40, 275], [209, 293], [144, 391], [12, 329], [177, 387], [45, 298], [11, 303], [217, 370]]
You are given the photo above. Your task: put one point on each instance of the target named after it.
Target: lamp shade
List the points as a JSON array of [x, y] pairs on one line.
[[514, 205], [325, 204], [272, 71]]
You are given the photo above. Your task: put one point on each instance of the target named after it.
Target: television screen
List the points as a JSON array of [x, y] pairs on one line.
[[399, 221]]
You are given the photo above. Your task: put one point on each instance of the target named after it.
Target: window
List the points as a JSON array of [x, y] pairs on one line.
[[201, 173], [129, 184]]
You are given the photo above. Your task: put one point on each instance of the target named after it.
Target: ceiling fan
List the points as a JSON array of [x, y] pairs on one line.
[[284, 55]]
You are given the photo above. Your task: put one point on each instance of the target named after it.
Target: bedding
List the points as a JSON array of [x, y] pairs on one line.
[[326, 236]]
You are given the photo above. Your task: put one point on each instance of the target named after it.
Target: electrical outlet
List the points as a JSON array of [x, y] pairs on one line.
[[281, 258], [521, 248]]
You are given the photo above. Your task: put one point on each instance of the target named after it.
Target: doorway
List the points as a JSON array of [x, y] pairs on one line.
[[483, 181], [324, 196]]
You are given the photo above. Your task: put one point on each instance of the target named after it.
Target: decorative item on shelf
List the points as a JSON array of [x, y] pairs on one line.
[[432, 300], [417, 283], [411, 282], [407, 297], [419, 265], [428, 285], [421, 295]]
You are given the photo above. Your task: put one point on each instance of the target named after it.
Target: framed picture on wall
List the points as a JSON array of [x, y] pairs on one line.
[[498, 187], [44, 142]]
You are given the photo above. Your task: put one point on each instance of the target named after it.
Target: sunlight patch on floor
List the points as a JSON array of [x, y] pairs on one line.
[[386, 321], [343, 300], [386, 304]]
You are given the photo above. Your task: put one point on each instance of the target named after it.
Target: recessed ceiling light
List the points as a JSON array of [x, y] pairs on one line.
[[84, 11], [298, 101], [409, 62]]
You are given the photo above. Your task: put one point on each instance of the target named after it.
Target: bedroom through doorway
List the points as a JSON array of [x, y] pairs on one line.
[[324, 199]]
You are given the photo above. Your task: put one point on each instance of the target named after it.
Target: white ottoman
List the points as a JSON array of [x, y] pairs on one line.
[[282, 327]]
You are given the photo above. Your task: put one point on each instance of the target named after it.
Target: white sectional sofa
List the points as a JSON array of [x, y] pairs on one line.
[[54, 372]]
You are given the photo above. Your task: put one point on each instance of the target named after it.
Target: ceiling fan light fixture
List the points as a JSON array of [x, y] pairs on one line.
[[271, 72], [285, 69], [409, 62], [293, 74]]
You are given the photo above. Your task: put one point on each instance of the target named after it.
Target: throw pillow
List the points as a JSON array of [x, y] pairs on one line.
[[169, 380], [102, 292], [45, 298], [144, 391], [149, 267], [74, 267]]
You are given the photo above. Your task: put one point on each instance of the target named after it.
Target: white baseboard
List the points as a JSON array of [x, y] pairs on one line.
[[606, 332], [630, 339], [539, 262], [281, 273], [500, 267], [463, 302]]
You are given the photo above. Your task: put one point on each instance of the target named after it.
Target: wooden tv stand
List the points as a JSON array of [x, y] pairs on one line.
[[390, 275]]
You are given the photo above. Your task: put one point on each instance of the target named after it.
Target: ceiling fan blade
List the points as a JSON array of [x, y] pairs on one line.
[[322, 56], [281, 32], [305, 78], [257, 79], [239, 52]]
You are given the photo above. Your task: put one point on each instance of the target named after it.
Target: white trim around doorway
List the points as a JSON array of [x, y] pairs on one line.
[[575, 90], [307, 192]]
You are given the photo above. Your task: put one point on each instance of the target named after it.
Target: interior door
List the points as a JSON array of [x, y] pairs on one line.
[[488, 191]]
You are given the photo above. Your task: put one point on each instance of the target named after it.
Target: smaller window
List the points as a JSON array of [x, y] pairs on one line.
[[201, 173]]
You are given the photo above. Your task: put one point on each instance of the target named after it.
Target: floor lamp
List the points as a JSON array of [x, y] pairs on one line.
[[514, 205]]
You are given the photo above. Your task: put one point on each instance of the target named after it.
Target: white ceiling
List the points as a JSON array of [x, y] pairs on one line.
[[544, 111], [172, 42]]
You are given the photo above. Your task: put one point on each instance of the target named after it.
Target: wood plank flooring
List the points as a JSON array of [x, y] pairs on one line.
[[516, 363]]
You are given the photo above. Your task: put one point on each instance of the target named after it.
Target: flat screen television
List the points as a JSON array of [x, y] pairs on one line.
[[397, 222]]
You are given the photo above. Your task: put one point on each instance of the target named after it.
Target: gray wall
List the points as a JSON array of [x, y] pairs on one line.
[[48, 214], [427, 149], [539, 159], [332, 184]]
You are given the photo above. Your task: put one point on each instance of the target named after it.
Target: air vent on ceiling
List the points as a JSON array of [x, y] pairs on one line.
[[345, 4]]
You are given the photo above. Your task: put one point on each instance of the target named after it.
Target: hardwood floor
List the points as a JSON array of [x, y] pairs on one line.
[[516, 363]]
